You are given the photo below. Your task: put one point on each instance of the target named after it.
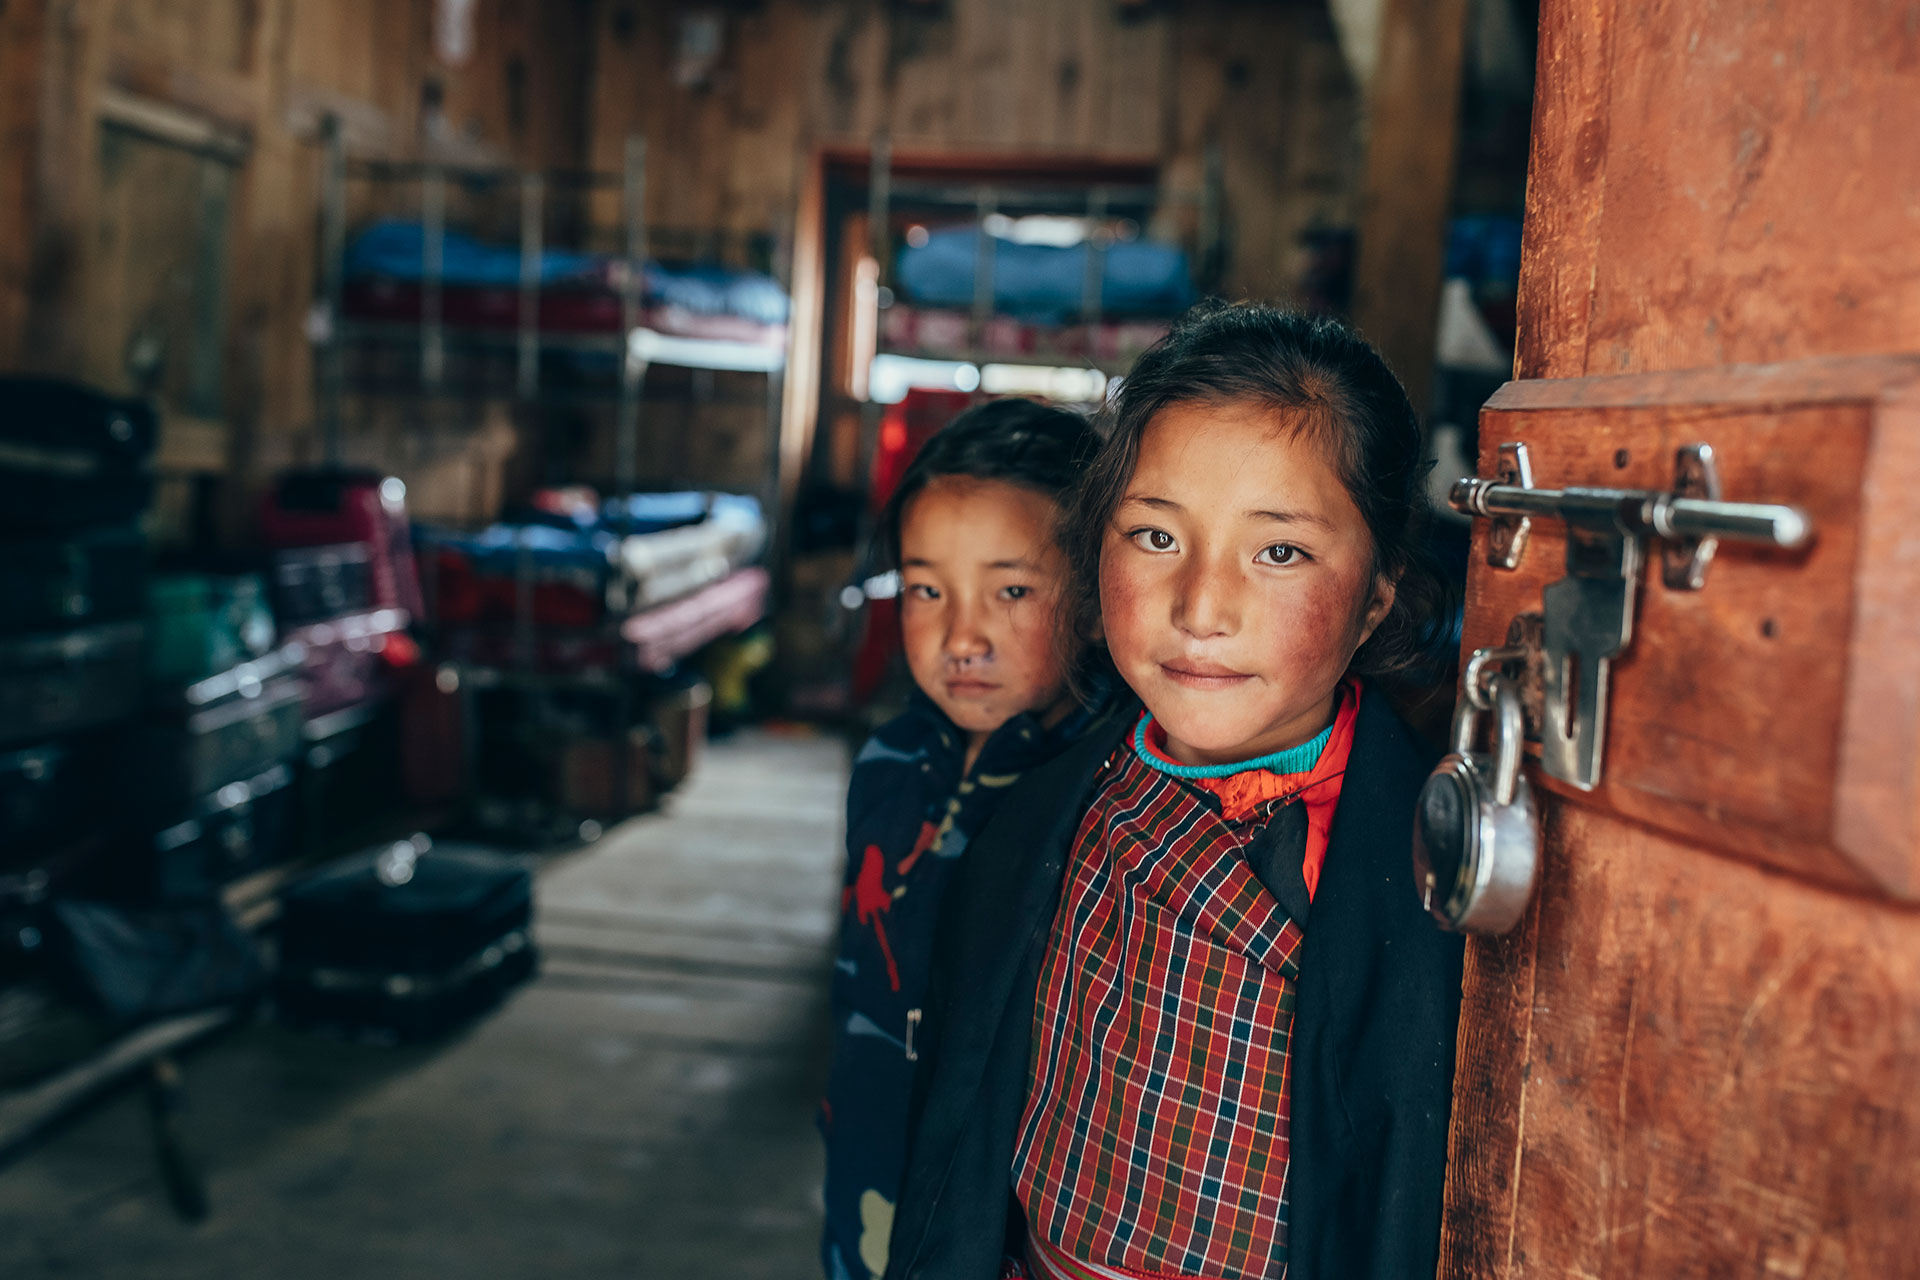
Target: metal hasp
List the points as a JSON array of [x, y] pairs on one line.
[[1589, 613], [1507, 535]]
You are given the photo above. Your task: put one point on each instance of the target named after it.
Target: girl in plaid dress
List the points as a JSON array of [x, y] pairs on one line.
[[1195, 1021], [971, 530]]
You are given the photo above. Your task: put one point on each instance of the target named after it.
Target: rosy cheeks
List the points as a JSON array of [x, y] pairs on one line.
[[1310, 628], [1120, 597]]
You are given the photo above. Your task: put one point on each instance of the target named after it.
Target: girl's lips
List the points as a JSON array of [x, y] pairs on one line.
[[1203, 675], [970, 688]]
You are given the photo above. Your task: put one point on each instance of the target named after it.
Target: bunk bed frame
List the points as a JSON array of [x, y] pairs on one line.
[[1094, 202], [637, 347]]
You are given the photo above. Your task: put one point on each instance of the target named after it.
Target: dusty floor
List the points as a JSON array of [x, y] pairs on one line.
[[643, 1108]]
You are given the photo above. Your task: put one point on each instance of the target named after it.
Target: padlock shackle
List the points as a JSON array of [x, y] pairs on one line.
[[1509, 738], [1466, 719]]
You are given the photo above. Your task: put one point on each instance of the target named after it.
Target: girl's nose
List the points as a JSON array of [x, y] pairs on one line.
[[965, 636], [1205, 603]]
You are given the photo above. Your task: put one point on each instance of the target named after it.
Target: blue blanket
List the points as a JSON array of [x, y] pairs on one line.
[[558, 541], [395, 249], [1043, 282]]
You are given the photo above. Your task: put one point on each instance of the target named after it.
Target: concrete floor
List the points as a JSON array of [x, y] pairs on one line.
[[644, 1108]]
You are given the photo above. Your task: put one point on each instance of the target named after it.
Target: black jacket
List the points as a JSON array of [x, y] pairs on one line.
[[1378, 1001]]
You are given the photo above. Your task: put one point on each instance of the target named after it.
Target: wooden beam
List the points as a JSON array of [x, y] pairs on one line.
[[22, 41], [805, 349], [176, 126], [1412, 135], [229, 98]]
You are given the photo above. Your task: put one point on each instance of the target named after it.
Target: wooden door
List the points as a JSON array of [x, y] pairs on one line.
[[1699, 1055]]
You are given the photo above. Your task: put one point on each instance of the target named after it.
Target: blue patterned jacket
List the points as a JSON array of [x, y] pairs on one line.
[[910, 813]]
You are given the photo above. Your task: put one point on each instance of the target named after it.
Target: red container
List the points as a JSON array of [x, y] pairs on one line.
[[326, 507]]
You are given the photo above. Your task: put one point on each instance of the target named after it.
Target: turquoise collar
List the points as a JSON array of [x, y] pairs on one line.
[[1300, 759]]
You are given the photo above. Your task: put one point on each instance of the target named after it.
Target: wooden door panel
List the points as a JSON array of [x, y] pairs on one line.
[[1719, 181], [1737, 720], [1713, 1073], [1699, 1055], [1686, 1062]]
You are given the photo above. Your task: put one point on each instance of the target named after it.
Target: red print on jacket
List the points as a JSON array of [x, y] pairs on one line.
[[870, 899]]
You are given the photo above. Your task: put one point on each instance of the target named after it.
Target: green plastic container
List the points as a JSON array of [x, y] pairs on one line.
[[202, 624]]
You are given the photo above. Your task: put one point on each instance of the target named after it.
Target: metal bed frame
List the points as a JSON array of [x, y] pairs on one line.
[[638, 347]]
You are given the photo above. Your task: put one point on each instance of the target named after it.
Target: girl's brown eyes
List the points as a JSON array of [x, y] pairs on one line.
[[1148, 539]]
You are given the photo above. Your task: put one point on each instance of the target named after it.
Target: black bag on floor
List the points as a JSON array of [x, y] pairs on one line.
[[405, 941], [134, 964]]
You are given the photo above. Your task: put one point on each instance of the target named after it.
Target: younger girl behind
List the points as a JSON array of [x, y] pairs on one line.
[[971, 530], [1199, 1023]]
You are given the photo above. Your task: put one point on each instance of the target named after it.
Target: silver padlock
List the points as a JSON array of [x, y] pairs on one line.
[[1476, 838]]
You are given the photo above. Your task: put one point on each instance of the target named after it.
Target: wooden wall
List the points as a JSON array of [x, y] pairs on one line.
[[262, 72], [564, 82], [1082, 78]]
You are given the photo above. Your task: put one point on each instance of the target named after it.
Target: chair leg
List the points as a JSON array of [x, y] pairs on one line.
[[186, 1184]]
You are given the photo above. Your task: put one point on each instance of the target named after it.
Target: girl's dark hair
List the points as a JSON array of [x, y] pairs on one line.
[[1014, 441], [1322, 380]]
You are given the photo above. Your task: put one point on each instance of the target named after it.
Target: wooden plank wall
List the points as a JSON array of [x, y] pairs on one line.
[[1407, 192], [564, 82], [22, 26], [267, 71], [1080, 78]]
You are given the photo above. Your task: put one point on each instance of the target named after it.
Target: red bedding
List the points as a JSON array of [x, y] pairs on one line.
[[944, 335], [568, 310]]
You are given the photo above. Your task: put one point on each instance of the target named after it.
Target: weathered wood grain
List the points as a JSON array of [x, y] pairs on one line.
[[1566, 187], [1407, 192], [1719, 1069], [22, 40], [1699, 1054], [996, 79]]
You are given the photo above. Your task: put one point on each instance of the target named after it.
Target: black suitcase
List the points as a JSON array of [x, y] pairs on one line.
[[227, 728], [405, 940], [54, 683], [349, 776], [59, 794], [71, 457], [314, 584], [99, 575], [243, 827]]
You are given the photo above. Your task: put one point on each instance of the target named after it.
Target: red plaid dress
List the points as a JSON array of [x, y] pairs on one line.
[[1155, 1137]]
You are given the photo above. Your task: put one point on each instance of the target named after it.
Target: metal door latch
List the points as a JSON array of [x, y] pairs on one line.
[[1588, 615]]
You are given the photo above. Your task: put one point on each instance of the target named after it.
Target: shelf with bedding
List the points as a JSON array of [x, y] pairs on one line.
[[419, 308]]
